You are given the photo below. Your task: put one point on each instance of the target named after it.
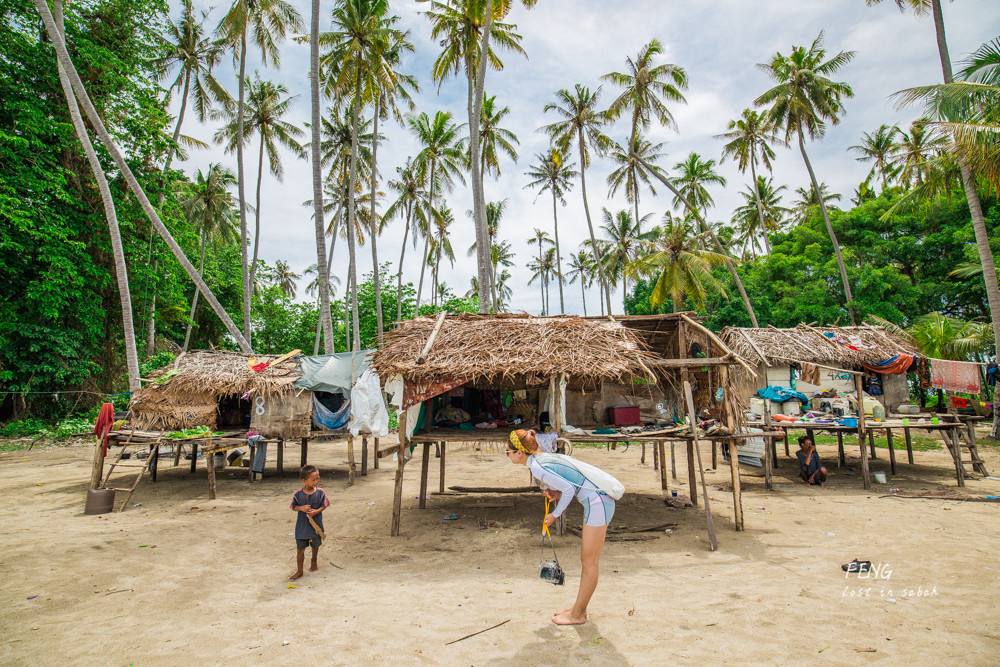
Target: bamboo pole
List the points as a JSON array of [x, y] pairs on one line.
[[210, 464], [424, 464], [704, 488], [734, 457], [350, 460], [441, 472], [397, 493], [422, 357]]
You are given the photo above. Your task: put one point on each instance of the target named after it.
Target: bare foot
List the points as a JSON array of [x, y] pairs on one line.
[[562, 611], [313, 567], [295, 576], [568, 619]]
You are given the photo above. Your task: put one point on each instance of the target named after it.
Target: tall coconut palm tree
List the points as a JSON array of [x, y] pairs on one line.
[[409, 192], [682, 269], [693, 175], [266, 22], [542, 268], [878, 148], [553, 172], [324, 317], [915, 149], [440, 248], [761, 213], [465, 28], [110, 213], [808, 200], [210, 207], [626, 241], [541, 237], [582, 123], [580, 270], [285, 278], [83, 98], [748, 140], [495, 140], [630, 172], [441, 159], [494, 215], [647, 88], [266, 104], [803, 101]]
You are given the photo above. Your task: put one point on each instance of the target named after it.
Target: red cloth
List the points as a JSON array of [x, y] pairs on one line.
[[105, 418]]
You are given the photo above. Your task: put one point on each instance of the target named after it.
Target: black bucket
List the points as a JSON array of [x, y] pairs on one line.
[[99, 501]]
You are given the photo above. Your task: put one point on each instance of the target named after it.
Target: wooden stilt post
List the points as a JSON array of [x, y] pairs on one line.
[[768, 465], [956, 452], [364, 456], [375, 455], [178, 448], [657, 452], [424, 463], [840, 449], [673, 460], [305, 451], [97, 471], [892, 452], [280, 445], [210, 464], [787, 453], [642, 457], [350, 460], [682, 353], [871, 443], [194, 456], [866, 477], [441, 472], [734, 457], [715, 455], [662, 467], [713, 545], [692, 475], [397, 493], [909, 444], [154, 461]]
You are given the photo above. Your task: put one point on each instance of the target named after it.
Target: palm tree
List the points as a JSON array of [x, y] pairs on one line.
[[694, 174], [440, 160], [760, 214], [580, 269], [504, 292], [267, 22], [646, 86], [582, 123], [464, 28], [913, 150], [440, 248], [541, 237], [802, 102], [681, 267], [494, 214], [110, 213], [542, 267], [409, 191], [66, 63], [494, 139], [210, 208], [808, 200], [313, 289], [748, 140], [285, 278], [266, 104], [324, 316], [877, 148], [553, 172], [630, 172], [626, 241]]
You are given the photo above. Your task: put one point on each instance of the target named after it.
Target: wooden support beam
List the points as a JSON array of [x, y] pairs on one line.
[[734, 456], [701, 470], [97, 470], [718, 342], [305, 452], [673, 461], [441, 471], [397, 492], [692, 474], [840, 450], [422, 357], [375, 456], [909, 444], [892, 452], [178, 448], [364, 456], [662, 463], [424, 463], [281, 456], [692, 363], [871, 443], [350, 460], [956, 452], [194, 457], [865, 476], [210, 464]]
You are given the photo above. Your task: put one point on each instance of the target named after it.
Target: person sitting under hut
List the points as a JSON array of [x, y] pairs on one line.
[[811, 470]]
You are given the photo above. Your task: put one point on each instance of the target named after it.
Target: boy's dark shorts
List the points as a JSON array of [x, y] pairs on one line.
[[302, 544]]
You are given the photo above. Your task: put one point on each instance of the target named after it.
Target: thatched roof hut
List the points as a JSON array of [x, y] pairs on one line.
[[842, 347]]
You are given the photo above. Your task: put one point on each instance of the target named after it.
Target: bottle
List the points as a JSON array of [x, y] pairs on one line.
[[878, 412]]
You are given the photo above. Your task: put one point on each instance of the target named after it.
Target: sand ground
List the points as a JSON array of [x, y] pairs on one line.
[[184, 580]]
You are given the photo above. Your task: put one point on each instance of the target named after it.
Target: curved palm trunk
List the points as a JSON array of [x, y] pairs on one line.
[[256, 232], [555, 222], [375, 231], [194, 299], [583, 294], [590, 227], [317, 185], [760, 205], [829, 230], [483, 246], [84, 99], [399, 276], [352, 220], [241, 176], [715, 239], [427, 238], [110, 214], [329, 264]]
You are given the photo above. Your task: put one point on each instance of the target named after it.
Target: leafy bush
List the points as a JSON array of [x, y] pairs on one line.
[[22, 429]]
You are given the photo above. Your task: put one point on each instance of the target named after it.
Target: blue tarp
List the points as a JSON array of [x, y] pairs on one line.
[[326, 419], [781, 394]]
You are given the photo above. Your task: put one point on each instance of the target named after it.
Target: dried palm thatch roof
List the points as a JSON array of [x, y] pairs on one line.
[[507, 346], [221, 372], [844, 347]]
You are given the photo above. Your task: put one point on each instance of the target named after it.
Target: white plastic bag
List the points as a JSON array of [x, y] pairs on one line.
[[368, 411]]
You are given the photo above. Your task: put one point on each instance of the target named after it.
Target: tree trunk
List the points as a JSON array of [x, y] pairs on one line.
[[427, 237], [194, 299], [760, 205], [606, 290], [483, 250], [583, 294], [352, 215], [402, 253], [241, 174], [715, 239], [555, 221], [256, 232], [110, 215], [829, 230], [84, 99], [329, 263], [375, 231], [317, 183], [151, 320]]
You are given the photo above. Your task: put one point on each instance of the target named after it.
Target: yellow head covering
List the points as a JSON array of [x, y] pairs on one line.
[[516, 441]]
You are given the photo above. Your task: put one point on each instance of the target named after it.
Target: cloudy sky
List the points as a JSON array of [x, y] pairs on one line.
[[567, 42]]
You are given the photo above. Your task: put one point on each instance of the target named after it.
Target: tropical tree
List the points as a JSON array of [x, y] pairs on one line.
[[266, 104], [682, 269], [441, 160], [626, 241], [803, 101], [209, 207], [542, 268], [914, 150], [809, 199], [409, 192], [440, 248], [646, 89], [878, 148], [631, 172], [760, 214], [494, 215], [285, 278], [580, 270], [694, 174], [542, 238], [582, 123], [553, 172], [325, 318], [494, 139], [266, 22]]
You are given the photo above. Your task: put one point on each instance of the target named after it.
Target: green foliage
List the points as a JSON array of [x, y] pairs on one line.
[[158, 360], [367, 321]]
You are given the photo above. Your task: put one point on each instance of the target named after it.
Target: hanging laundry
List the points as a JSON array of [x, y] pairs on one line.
[[895, 365], [923, 372], [955, 376], [856, 340], [991, 374], [811, 374]]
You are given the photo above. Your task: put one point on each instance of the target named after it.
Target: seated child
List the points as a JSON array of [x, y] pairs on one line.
[[309, 502], [811, 470]]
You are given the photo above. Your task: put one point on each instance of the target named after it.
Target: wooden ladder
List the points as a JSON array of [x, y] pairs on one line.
[[121, 462]]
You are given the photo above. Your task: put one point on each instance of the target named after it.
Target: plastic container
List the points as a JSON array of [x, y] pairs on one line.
[[850, 422], [908, 409], [99, 501], [878, 412], [879, 477]]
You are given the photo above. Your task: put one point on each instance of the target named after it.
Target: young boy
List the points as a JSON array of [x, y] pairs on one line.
[[309, 502]]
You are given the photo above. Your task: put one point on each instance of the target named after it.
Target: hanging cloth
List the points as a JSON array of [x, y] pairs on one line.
[[894, 365], [955, 376], [105, 418]]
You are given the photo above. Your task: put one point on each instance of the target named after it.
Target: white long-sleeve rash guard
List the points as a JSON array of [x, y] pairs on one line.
[[567, 488]]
